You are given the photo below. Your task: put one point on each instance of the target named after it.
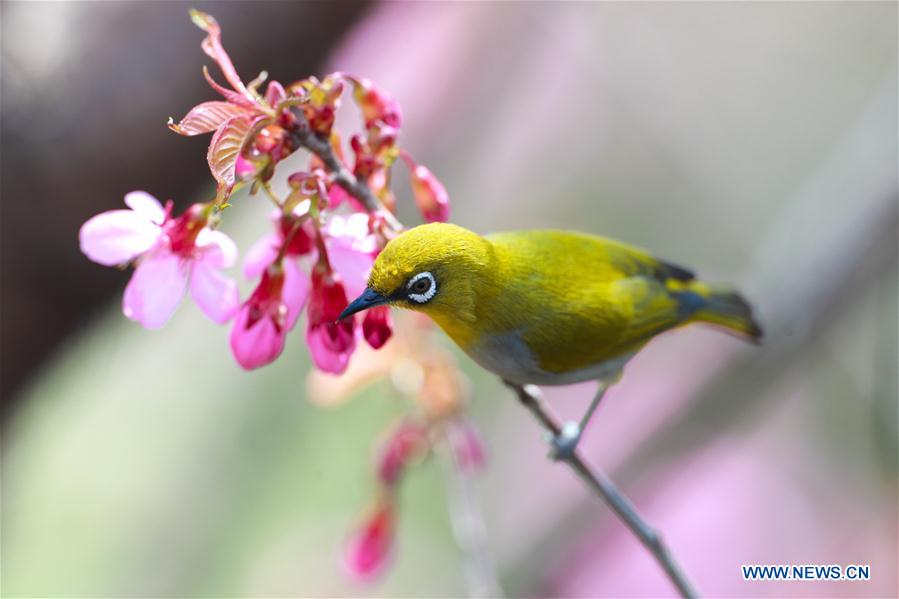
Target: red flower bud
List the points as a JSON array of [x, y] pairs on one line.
[[376, 105], [429, 192], [269, 138], [370, 546], [407, 443]]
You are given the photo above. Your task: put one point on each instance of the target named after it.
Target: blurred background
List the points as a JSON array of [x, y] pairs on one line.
[[754, 142]]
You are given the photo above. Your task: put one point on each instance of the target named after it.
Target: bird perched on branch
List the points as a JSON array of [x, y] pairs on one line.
[[546, 307]]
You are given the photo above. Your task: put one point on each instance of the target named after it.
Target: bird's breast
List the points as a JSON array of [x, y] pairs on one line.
[[509, 356]]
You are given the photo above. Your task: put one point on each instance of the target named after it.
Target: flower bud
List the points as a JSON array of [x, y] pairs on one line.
[[376, 326], [429, 192], [269, 138], [369, 547], [376, 105], [408, 443]]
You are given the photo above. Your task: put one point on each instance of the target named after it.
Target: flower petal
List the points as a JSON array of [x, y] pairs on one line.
[[146, 205], [257, 345], [215, 293], [352, 265], [207, 117], [331, 345], [218, 249], [155, 289], [295, 291], [117, 236], [376, 326], [260, 255]]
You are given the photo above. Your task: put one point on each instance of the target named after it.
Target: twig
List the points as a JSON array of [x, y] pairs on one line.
[[468, 525], [342, 175], [608, 492]]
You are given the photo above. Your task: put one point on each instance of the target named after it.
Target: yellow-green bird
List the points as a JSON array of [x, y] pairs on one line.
[[546, 307]]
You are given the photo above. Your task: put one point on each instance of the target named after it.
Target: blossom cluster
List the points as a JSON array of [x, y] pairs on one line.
[[324, 239]]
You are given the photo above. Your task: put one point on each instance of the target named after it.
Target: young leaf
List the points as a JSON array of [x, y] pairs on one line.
[[232, 96], [212, 46], [206, 117], [226, 145]]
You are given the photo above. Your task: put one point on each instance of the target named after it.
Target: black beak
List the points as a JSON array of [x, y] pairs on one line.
[[368, 299]]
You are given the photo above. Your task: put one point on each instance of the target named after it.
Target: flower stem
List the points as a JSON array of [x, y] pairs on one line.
[[608, 492], [271, 194]]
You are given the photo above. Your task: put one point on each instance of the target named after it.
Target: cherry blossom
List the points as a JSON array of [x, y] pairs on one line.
[[260, 328], [171, 255], [331, 342]]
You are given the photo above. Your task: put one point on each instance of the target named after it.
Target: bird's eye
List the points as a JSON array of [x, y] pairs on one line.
[[422, 287]]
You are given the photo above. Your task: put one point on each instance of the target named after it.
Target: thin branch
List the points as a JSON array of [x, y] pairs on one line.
[[608, 492], [342, 175], [468, 525]]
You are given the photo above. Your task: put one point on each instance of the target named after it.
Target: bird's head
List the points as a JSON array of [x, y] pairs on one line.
[[430, 268]]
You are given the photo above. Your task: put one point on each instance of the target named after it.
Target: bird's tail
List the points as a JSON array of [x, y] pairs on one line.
[[727, 308]]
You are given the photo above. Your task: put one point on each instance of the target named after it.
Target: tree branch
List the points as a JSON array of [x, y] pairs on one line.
[[608, 492], [342, 175]]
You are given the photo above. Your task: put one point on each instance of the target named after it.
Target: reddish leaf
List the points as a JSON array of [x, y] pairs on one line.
[[206, 117], [232, 96], [274, 93], [212, 46], [226, 145]]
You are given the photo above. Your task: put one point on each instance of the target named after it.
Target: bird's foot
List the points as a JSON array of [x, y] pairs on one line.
[[562, 446]]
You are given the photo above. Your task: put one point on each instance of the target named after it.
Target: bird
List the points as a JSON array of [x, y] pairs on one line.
[[547, 307]]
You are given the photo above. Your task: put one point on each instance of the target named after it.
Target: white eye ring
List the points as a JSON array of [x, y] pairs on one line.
[[427, 295]]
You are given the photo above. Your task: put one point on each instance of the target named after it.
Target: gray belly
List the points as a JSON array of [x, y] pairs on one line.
[[507, 356]]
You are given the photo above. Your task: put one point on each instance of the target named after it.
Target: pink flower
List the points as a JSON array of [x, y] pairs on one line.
[[331, 342], [369, 548], [407, 443], [264, 320], [264, 252], [271, 312], [352, 249], [429, 192], [172, 254]]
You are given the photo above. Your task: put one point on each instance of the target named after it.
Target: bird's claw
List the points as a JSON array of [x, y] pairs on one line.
[[562, 446]]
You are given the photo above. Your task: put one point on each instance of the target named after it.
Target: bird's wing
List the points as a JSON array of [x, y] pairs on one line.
[[591, 299]]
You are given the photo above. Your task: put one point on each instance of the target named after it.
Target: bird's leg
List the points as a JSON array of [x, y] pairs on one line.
[[564, 444]]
